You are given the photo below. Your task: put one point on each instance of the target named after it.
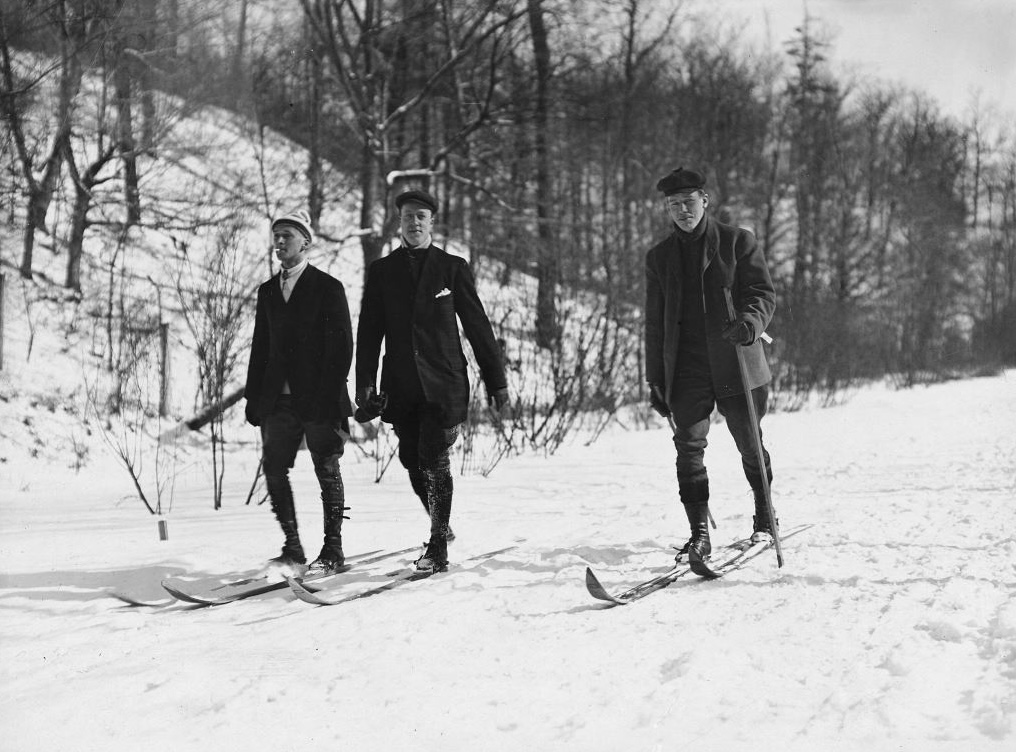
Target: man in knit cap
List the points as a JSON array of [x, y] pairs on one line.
[[691, 361], [296, 390], [413, 301]]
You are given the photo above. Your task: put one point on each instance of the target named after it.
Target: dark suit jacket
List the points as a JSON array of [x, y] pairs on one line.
[[732, 259], [307, 342], [423, 358]]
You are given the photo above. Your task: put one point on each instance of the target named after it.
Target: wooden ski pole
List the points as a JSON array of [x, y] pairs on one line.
[[755, 432]]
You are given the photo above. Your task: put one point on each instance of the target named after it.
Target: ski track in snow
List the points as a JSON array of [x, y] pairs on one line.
[[892, 625]]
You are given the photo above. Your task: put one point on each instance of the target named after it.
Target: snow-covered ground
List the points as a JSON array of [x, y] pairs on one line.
[[892, 625]]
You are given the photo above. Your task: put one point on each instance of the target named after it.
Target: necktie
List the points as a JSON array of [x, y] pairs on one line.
[[285, 286]]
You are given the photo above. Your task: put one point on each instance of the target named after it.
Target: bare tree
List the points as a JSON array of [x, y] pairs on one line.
[[547, 330], [215, 297], [71, 31], [362, 44]]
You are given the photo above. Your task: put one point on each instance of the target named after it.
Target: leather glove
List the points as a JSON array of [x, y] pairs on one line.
[[498, 398], [369, 404], [738, 333], [251, 415], [658, 401]]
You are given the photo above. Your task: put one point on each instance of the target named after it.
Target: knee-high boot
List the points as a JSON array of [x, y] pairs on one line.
[[281, 494], [435, 558], [422, 484], [333, 504]]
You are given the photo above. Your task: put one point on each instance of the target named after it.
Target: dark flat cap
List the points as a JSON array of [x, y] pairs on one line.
[[679, 180], [421, 197]]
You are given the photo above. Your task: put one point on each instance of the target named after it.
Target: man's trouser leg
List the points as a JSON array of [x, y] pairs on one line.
[[691, 406], [735, 411], [281, 434]]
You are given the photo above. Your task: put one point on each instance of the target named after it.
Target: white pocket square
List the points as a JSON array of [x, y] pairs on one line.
[[444, 292]]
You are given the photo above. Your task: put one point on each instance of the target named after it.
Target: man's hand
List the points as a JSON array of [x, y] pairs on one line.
[[369, 404], [738, 333], [658, 401], [498, 398], [251, 415]]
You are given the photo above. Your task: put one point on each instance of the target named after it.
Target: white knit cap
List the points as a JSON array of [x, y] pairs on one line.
[[299, 219]]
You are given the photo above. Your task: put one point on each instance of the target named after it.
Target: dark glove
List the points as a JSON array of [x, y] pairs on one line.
[[369, 404], [739, 333], [252, 415], [498, 398], [658, 401]]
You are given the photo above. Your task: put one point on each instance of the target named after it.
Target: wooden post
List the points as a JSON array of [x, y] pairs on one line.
[[163, 370]]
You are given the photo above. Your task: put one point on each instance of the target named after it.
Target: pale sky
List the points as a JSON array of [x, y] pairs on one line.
[[948, 48]]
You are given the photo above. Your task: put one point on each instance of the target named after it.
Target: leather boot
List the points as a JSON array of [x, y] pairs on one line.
[[695, 500], [698, 520], [333, 504], [435, 558], [761, 528], [281, 495], [421, 482]]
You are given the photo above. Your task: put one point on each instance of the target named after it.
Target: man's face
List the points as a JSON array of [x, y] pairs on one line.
[[416, 222], [687, 208], [290, 245]]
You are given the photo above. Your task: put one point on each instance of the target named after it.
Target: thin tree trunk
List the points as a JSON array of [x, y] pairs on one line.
[[546, 271]]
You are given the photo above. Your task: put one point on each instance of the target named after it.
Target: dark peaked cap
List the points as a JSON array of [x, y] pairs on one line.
[[679, 180], [419, 196]]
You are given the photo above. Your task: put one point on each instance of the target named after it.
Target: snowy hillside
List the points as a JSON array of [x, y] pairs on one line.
[[892, 625]]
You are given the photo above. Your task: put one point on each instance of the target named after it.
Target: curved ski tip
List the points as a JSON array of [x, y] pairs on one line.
[[597, 590], [305, 595], [131, 601], [186, 597], [699, 567]]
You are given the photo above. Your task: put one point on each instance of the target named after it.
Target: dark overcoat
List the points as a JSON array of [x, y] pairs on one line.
[[731, 258], [423, 350], [307, 341]]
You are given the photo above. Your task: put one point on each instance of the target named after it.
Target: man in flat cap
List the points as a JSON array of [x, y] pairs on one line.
[[300, 357], [411, 301], [691, 361]]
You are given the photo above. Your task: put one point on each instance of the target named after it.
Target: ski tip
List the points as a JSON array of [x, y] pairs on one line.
[[186, 597], [699, 567], [305, 595], [129, 601], [596, 589]]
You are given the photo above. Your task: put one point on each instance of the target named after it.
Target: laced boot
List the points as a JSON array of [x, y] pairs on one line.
[[435, 558], [761, 528], [698, 520], [331, 559], [285, 512], [333, 504], [292, 552], [695, 500]]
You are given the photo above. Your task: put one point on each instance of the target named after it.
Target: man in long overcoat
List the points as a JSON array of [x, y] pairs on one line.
[[691, 364], [300, 357], [412, 301]]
